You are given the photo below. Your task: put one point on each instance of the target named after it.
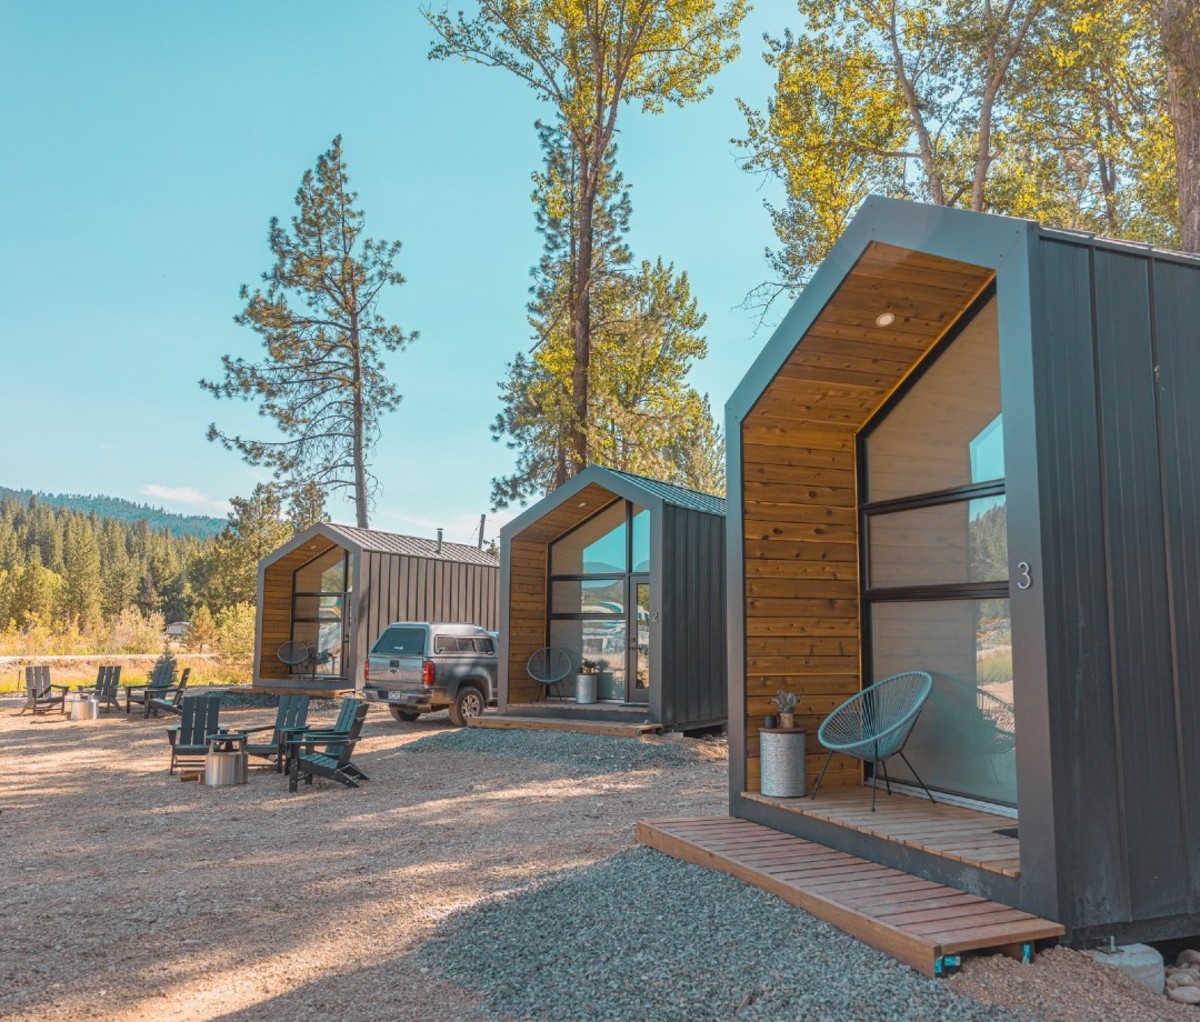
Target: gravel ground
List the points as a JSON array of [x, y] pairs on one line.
[[483, 876]]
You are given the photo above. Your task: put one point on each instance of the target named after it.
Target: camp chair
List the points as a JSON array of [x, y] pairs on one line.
[[332, 760], [875, 724], [189, 739], [170, 703], [158, 687], [107, 686], [290, 719], [550, 665], [39, 692]]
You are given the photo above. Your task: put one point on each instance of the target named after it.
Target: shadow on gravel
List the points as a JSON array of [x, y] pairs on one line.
[[643, 936]]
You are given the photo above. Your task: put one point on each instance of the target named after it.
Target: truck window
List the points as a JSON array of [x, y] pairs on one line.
[[450, 644], [484, 646], [400, 642]]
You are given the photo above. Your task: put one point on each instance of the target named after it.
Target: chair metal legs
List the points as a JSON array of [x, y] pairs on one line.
[[917, 776], [821, 776]]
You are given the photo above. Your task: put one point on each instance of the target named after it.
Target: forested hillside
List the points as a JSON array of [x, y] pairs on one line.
[[202, 526]]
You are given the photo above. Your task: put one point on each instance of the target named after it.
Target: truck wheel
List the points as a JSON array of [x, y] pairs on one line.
[[469, 702], [400, 713]]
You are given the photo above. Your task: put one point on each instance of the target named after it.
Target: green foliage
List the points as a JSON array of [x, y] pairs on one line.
[[645, 335], [165, 664], [1053, 111], [235, 637], [202, 634], [322, 380], [586, 60], [118, 510], [227, 572]]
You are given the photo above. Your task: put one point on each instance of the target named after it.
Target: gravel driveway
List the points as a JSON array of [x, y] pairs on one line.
[[479, 875]]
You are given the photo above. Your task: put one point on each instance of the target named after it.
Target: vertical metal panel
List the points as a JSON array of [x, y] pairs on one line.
[[1177, 335], [693, 627], [1083, 726], [1139, 610]]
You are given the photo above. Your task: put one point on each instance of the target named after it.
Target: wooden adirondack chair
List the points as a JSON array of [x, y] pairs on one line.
[[189, 740], [107, 687], [170, 702], [39, 691], [290, 718], [158, 687], [327, 753]]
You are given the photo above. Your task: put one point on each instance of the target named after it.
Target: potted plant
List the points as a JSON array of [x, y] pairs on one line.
[[585, 681], [785, 702]]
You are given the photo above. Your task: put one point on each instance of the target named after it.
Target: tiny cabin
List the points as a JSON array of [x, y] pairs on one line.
[[971, 449], [325, 596], [627, 572]]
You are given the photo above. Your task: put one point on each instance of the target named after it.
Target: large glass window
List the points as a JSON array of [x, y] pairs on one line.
[[320, 595], [936, 563], [592, 569]]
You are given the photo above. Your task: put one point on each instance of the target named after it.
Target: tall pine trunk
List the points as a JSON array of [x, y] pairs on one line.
[[360, 457], [1180, 24], [581, 316]]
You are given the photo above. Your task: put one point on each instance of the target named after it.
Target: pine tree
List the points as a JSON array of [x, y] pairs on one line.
[[322, 381], [81, 590]]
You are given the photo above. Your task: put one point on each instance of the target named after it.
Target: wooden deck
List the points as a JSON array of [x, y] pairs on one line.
[[952, 832], [927, 926], [617, 728]]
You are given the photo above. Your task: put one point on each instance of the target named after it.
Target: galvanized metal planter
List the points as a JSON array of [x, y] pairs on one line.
[[782, 757]]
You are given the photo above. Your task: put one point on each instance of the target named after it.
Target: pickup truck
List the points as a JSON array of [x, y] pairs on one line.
[[417, 667]]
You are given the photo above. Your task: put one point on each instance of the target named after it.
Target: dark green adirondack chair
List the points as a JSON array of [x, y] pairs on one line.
[[170, 702], [159, 687], [327, 753], [40, 692], [189, 740], [290, 718], [107, 687]]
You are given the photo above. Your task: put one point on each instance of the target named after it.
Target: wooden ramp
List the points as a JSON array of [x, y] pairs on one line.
[[591, 727], [925, 925]]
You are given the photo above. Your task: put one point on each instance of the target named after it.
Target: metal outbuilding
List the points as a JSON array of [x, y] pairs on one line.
[[325, 596], [626, 571], [971, 448]]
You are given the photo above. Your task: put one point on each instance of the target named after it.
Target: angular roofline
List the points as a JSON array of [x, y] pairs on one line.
[[982, 239], [621, 484], [342, 535]]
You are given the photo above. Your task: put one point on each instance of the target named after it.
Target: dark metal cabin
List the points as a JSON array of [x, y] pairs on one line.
[[973, 448], [606, 557], [330, 591]]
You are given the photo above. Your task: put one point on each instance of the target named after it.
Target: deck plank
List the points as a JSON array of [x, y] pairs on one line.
[[914, 920]]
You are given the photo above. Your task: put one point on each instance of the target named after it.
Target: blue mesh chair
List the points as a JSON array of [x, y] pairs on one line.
[[550, 666], [875, 724]]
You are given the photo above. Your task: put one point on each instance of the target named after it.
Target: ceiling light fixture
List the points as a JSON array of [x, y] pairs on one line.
[[885, 319]]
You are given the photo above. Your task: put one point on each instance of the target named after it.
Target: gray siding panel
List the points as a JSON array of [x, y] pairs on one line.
[[1079, 669], [1142, 662], [1177, 322], [693, 628]]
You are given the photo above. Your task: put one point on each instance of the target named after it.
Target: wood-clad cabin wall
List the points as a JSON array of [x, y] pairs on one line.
[[526, 617], [799, 484], [529, 571], [275, 605]]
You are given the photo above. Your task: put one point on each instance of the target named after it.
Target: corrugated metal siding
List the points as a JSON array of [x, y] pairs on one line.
[[1177, 327], [692, 631], [1117, 715]]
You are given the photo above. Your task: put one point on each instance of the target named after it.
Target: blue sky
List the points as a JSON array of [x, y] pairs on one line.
[[149, 143]]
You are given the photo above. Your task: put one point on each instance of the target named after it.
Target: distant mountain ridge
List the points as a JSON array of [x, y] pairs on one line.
[[202, 526]]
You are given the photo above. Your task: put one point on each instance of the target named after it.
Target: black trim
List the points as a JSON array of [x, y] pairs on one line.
[[935, 591], [972, 491]]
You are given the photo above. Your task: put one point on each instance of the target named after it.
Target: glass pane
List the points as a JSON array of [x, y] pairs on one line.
[[641, 539], [965, 740], [324, 642], [946, 430], [596, 547], [641, 678], [324, 574], [325, 607], [966, 541], [591, 596], [602, 641], [401, 642]]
